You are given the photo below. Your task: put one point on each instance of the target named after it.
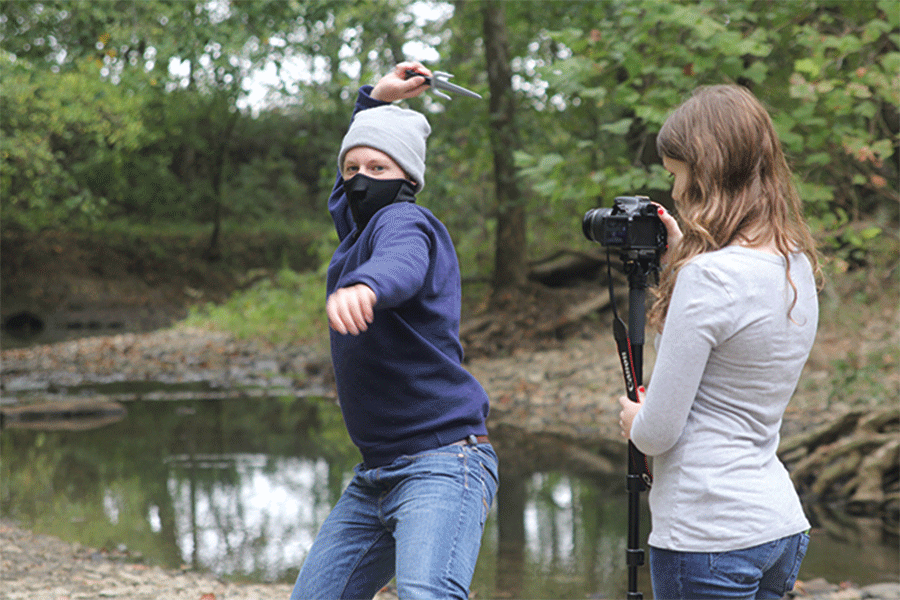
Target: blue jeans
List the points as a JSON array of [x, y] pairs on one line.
[[765, 571], [421, 519]]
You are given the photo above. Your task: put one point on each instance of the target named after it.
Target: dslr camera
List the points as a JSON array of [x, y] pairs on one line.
[[632, 225]]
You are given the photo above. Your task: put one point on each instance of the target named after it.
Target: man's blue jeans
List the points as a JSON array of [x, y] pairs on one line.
[[765, 571], [420, 518]]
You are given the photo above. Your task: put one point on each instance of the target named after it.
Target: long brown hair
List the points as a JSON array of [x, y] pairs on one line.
[[739, 185]]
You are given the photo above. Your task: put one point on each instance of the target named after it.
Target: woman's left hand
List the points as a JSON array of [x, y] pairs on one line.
[[629, 412]]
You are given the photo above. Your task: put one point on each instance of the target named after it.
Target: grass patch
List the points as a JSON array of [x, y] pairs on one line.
[[288, 307]]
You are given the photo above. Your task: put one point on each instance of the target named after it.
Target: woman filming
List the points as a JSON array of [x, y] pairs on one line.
[[737, 309]]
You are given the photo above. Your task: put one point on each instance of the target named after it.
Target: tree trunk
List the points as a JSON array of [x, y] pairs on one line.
[[217, 174], [510, 254]]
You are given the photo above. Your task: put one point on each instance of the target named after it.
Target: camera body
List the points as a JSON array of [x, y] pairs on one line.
[[632, 225]]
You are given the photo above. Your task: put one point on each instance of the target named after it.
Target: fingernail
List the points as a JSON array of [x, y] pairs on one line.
[[661, 211], [642, 389]]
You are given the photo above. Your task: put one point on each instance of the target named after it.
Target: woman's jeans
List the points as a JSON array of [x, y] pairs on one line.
[[765, 571], [420, 519]]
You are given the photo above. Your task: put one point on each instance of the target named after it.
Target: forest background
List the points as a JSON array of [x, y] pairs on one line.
[[202, 135]]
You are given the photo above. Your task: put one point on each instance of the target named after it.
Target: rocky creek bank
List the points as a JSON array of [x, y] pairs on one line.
[[42, 567]]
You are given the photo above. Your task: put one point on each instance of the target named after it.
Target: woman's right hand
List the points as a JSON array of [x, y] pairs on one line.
[[673, 231]]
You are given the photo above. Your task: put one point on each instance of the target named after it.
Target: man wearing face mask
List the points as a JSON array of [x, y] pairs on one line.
[[416, 506]]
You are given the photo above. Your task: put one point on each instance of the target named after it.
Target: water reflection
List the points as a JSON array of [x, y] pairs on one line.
[[558, 536], [241, 487], [254, 519]]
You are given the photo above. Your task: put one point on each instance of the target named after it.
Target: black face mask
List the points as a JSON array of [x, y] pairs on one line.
[[367, 196]]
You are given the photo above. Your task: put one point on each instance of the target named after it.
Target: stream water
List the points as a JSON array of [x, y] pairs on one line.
[[240, 487]]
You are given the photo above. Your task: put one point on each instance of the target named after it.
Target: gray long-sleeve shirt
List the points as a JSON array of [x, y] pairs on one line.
[[728, 362]]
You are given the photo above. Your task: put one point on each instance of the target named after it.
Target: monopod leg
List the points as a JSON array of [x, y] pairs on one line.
[[636, 461], [634, 552], [630, 345]]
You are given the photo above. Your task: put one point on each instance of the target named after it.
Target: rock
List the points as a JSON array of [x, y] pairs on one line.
[[882, 591]]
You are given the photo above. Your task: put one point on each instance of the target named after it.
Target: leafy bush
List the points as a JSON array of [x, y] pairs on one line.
[[826, 70], [64, 140], [288, 307]]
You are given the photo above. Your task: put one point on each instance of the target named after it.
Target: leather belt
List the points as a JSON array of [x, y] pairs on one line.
[[472, 440]]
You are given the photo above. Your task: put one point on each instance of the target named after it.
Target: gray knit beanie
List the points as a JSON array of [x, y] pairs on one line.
[[398, 132]]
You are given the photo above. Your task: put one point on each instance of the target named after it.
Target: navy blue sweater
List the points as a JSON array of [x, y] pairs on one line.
[[401, 384]]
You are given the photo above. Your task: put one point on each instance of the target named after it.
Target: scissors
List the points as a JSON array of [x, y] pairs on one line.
[[438, 81]]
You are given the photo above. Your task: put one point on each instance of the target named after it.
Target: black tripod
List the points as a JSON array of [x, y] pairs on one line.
[[638, 265]]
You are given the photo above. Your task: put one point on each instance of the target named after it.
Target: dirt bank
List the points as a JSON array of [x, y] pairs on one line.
[[42, 567]]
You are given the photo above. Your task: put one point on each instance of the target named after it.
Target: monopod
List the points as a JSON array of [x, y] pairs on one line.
[[632, 225], [630, 345]]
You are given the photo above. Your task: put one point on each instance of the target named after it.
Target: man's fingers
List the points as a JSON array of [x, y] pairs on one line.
[[350, 310], [334, 315], [356, 314]]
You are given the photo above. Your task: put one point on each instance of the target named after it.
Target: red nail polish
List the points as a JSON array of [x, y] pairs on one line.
[[642, 389], [661, 212]]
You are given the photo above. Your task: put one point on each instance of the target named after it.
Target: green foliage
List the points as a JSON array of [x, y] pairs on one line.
[[859, 380], [64, 141], [286, 308], [136, 110], [98, 74], [843, 97], [827, 70], [264, 186]]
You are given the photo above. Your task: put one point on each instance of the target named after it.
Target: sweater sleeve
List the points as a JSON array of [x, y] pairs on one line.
[[401, 248], [699, 317], [338, 205]]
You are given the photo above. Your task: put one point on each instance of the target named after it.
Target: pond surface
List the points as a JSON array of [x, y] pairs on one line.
[[240, 487]]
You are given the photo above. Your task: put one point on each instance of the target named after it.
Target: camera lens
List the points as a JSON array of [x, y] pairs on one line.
[[592, 224]]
